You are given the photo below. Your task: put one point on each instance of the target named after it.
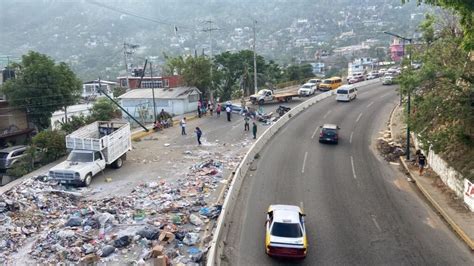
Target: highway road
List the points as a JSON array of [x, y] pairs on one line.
[[360, 209]]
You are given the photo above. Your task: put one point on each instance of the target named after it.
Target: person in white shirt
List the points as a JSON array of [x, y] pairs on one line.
[[183, 126], [228, 111]]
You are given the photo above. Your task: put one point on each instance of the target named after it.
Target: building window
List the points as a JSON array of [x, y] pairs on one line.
[[151, 84], [167, 83]]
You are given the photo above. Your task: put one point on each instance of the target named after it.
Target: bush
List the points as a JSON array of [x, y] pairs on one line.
[[51, 143], [104, 110], [75, 123], [19, 169]]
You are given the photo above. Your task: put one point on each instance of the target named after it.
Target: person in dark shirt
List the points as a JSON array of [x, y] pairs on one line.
[[421, 163]]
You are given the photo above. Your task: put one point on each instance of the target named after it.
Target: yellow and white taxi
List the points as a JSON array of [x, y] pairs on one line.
[[285, 232]]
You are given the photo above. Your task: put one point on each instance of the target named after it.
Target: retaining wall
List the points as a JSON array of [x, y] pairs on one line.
[[452, 178]]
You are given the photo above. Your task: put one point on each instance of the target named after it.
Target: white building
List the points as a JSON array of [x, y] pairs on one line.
[[176, 101], [363, 65], [62, 116], [90, 89]]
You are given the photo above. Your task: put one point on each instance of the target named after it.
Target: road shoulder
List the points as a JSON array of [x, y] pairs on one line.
[[451, 208]]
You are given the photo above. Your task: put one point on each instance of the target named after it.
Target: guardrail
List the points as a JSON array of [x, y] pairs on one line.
[[217, 243]]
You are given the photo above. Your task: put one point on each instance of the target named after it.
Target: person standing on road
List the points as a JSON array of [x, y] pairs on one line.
[[183, 126], [211, 108], [228, 111], [254, 130], [421, 163], [246, 125], [218, 109], [198, 135]]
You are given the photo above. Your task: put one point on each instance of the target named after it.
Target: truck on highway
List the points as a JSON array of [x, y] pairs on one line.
[[93, 147], [266, 95]]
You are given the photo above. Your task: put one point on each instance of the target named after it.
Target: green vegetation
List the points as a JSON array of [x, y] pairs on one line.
[[443, 93], [41, 87], [233, 73], [465, 10]]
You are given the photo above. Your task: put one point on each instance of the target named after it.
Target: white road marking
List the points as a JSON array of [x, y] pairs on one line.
[[304, 162], [350, 139], [370, 104], [314, 133], [353, 169], [376, 224], [358, 118], [324, 117], [301, 206]]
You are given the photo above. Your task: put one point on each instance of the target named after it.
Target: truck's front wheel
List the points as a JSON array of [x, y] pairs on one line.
[[87, 180], [118, 163], [261, 102]]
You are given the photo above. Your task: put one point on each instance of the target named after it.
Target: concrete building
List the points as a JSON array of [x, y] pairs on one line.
[[90, 89], [176, 101], [150, 82], [62, 116], [397, 49]]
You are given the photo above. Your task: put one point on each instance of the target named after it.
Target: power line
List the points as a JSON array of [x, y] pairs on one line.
[[134, 15]]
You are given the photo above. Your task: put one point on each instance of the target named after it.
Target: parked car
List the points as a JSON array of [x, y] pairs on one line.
[[11, 155], [307, 89], [285, 232], [329, 134]]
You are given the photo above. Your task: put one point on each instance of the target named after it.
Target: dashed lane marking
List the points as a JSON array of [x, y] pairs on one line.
[[370, 104], [314, 133], [353, 169], [376, 224], [350, 139], [304, 162], [358, 118], [328, 112]]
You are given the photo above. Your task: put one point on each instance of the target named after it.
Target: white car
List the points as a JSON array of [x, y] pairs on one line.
[[315, 82], [285, 232], [307, 89], [387, 80]]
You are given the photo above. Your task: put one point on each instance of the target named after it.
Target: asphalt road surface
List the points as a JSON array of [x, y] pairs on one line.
[[360, 209]]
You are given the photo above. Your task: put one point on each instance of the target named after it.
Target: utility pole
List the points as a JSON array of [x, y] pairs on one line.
[[409, 90], [128, 49], [210, 29], [153, 91], [254, 59]]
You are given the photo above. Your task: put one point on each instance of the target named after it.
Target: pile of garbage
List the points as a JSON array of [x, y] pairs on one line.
[[160, 221], [389, 149]]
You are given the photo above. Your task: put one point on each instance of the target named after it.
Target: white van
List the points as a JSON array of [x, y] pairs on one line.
[[346, 93]]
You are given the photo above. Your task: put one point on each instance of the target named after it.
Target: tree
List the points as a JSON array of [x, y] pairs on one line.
[[42, 87], [465, 9], [104, 110], [442, 96], [196, 71]]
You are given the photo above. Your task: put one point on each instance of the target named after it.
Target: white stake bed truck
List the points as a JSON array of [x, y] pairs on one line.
[[93, 147]]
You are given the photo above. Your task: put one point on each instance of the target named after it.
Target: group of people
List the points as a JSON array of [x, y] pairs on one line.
[[164, 120], [198, 131], [202, 110]]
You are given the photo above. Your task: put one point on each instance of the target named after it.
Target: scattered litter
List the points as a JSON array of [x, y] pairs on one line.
[[167, 144], [191, 239]]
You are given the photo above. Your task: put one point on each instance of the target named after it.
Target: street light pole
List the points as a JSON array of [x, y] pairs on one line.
[[407, 151], [254, 60]]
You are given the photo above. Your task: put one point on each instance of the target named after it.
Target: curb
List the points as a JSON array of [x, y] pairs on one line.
[[469, 242], [441, 211]]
